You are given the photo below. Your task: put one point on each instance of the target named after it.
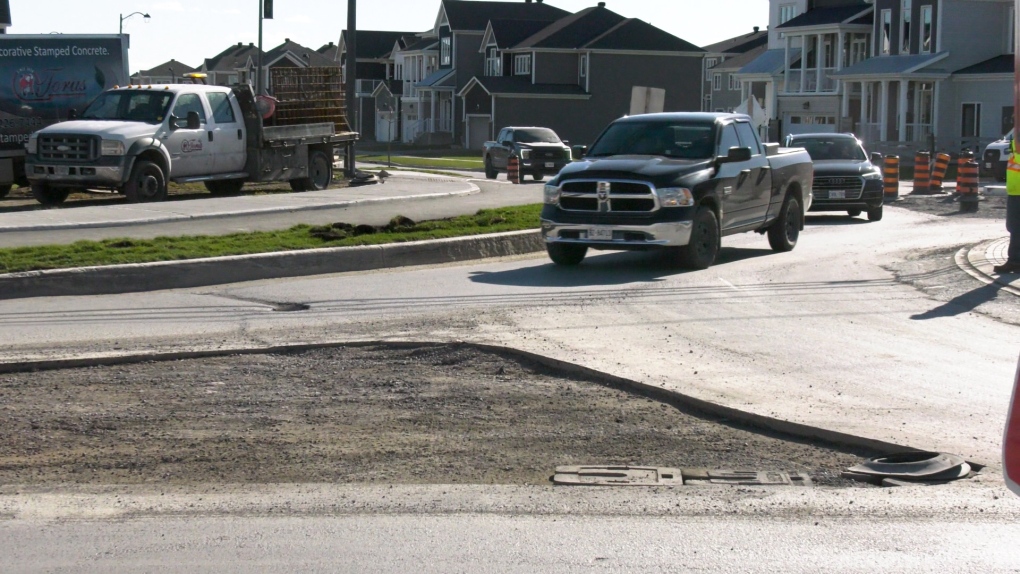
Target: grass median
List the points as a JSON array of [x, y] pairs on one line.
[[447, 162], [400, 229]]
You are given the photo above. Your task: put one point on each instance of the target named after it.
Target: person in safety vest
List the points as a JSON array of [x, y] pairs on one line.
[[1012, 264]]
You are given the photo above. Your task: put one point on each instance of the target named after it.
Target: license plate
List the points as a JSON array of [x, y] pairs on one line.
[[600, 233], [988, 165], [837, 194], [61, 170], [550, 164]]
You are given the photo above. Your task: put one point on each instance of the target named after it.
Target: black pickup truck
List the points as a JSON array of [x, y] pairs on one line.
[[677, 181], [541, 152]]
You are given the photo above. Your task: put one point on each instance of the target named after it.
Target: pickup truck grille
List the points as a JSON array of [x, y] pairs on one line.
[[992, 155], [68, 148], [623, 196], [851, 186], [547, 154]]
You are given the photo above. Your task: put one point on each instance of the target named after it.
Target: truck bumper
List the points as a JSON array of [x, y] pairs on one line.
[[64, 175], [542, 167], [624, 237]]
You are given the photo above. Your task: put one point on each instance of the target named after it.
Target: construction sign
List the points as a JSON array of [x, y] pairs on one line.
[[1011, 439]]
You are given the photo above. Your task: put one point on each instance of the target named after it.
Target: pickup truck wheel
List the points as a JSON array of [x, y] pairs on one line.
[[566, 253], [853, 212], [785, 230], [320, 172], [47, 195], [146, 183], [703, 247], [490, 172], [225, 186], [875, 213], [4, 190], [538, 177]]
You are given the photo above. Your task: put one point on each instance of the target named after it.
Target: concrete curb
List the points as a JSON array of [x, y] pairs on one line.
[[676, 399], [170, 217], [974, 260], [115, 279]]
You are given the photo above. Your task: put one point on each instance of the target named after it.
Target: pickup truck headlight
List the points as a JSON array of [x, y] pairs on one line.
[[552, 194], [675, 197], [112, 147], [32, 147], [525, 154]]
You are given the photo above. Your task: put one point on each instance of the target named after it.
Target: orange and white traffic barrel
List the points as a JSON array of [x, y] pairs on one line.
[[967, 186], [938, 172], [1011, 439], [922, 172], [891, 177], [513, 169]]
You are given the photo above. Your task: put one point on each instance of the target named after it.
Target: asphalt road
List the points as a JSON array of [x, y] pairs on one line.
[[865, 328]]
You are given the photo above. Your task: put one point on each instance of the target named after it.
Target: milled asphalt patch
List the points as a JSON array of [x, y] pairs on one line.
[[140, 277], [673, 398]]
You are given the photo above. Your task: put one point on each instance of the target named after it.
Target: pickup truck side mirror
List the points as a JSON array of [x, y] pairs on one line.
[[578, 151], [506, 143], [736, 155], [876, 158]]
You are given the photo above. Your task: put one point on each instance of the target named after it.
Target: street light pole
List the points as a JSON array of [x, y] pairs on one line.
[[123, 17], [352, 78], [258, 73]]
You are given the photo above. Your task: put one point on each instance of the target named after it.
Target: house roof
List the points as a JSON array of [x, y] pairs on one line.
[[375, 44], [998, 65], [599, 28], [5, 13], [892, 65], [171, 68], [468, 15], [740, 61], [511, 85], [232, 58], [392, 87], [769, 62], [827, 16], [331, 51], [634, 34], [307, 56], [740, 44], [423, 44], [509, 33], [438, 79]]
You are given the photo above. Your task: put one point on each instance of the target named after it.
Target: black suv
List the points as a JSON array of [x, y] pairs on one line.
[[845, 179]]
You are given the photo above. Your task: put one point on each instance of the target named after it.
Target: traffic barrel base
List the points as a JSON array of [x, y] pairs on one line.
[[513, 169]]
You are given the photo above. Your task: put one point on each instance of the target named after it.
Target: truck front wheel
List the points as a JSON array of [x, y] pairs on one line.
[[146, 184], [490, 172], [785, 230], [47, 195], [703, 247], [566, 253]]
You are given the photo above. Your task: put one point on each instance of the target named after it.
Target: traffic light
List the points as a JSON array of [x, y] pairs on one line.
[[267, 9]]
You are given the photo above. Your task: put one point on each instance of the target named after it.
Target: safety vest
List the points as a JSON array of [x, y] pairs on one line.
[[1013, 171]]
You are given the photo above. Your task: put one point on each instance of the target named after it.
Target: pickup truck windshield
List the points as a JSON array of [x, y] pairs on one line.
[[825, 149], [138, 106], [536, 135], [668, 139]]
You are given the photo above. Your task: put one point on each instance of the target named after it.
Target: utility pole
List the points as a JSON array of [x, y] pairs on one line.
[[351, 60], [258, 66]]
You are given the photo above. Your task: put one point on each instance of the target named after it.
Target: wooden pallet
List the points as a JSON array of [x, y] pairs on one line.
[[309, 95]]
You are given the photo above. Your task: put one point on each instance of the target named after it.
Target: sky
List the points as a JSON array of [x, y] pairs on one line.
[[191, 30]]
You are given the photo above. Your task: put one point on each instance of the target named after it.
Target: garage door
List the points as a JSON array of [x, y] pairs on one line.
[[479, 131]]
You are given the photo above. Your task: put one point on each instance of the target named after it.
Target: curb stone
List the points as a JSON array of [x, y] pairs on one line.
[[140, 277]]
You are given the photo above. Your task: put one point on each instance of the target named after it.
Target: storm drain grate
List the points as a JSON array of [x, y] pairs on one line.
[[665, 476]]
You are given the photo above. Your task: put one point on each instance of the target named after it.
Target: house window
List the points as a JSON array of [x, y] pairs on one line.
[[971, 120], [787, 12], [734, 83], [709, 64], [706, 106], [886, 32], [522, 65], [905, 10], [492, 63], [926, 29], [717, 82], [858, 49], [444, 51], [398, 72], [584, 65]]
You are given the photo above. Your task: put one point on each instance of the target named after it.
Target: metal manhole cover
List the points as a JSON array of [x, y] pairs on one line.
[[617, 476]]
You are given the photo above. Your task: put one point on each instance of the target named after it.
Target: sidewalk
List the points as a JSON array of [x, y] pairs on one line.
[[978, 261], [400, 185]]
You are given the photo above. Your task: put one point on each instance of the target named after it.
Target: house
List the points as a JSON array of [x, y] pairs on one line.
[[166, 73], [239, 64], [375, 66], [575, 74], [903, 75], [720, 92], [726, 92]]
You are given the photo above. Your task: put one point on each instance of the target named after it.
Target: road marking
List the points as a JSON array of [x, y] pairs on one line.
[[730, 285], [1011, 439]]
